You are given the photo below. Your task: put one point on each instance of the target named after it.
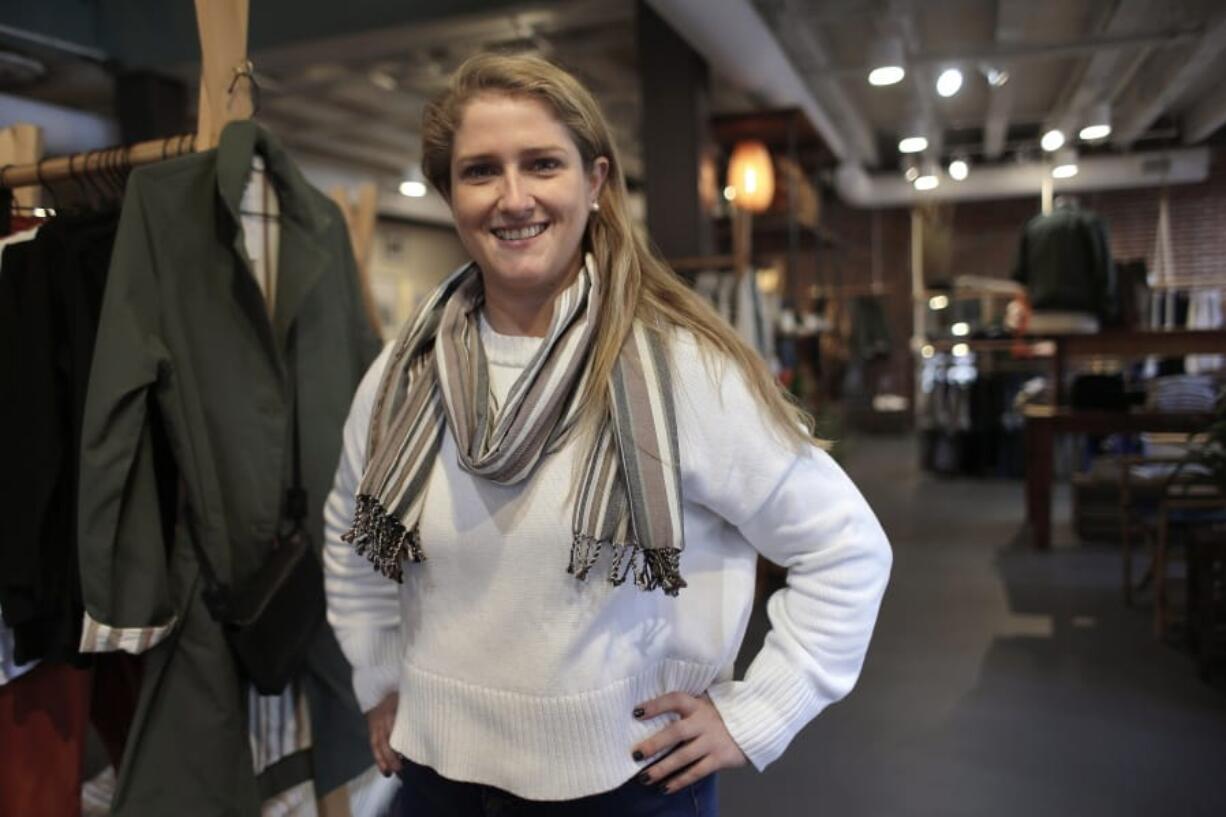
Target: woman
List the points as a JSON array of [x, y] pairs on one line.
[[558, 417]]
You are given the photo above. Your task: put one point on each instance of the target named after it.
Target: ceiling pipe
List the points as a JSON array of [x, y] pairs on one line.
[[1023, 52], [735, 40], [1148, 169]]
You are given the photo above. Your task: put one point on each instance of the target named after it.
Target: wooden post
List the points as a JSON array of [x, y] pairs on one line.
[[742, 241], [22, 145], [223, 55], [360, 219]]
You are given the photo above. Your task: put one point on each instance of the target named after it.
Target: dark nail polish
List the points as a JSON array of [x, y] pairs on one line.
[[639, 712], [637, 755], [645, 779], [663, 788]]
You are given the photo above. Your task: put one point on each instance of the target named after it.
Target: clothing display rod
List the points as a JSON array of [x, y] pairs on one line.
[[79, 165]]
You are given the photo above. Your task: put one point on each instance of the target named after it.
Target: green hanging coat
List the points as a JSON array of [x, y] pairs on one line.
[[186, 349]]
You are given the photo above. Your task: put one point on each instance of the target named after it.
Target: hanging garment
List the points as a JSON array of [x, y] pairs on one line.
[[10, 668], [1204, 312], [737, 299], [185, 340], [1064, 260], [50, 296], [870, 331]]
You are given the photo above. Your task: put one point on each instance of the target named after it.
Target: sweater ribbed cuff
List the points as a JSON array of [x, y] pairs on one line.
[[376, 657], [766, 710]]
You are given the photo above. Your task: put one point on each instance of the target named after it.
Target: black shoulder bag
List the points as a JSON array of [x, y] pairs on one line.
[[271, 617]]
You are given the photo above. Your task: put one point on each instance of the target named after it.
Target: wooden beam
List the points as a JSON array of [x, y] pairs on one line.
[[360, 217], [21, 144]]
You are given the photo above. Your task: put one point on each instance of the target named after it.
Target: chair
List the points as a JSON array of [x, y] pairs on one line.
[[1139, 499], [1197, 504], [1151, 505]]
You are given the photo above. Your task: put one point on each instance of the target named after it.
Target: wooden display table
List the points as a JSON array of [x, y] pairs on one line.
[[1043, 423], [1118, 343]]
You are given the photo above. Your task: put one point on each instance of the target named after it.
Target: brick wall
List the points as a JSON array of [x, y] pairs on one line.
[[981, 239]]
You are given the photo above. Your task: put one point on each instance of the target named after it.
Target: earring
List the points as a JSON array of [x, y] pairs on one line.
[[595, 206]]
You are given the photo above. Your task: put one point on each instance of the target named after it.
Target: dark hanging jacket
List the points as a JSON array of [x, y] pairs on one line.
[[1064, 260], [185, 339], [50, 296]]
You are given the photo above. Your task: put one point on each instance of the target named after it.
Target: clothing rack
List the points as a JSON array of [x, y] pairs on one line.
[[95, 162], [222, 27]]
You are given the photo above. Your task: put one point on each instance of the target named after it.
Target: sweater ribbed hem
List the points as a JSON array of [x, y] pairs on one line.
[[539, 747], [764, 712]]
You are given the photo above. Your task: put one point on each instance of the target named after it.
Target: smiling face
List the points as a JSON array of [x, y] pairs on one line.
[[521, 196]]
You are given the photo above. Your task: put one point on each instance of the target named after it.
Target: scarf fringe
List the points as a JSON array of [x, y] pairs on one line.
[[652, 568], [382, 538]]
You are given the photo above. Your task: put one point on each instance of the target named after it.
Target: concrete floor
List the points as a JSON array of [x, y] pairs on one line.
[[1000, 681]]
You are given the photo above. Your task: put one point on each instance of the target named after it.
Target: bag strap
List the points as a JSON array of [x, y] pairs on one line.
[[295, 509]]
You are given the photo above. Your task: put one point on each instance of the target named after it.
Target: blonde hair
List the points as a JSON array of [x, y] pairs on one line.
[[638, 283]]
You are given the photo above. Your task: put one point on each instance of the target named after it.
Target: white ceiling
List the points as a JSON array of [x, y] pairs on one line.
[[1159, 62], [356, 100]]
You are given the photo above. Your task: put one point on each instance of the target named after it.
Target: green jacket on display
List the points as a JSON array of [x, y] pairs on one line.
[[1064, 259], [186, 349]]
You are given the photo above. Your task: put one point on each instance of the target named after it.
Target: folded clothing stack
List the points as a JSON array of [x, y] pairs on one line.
[[1183, 393]]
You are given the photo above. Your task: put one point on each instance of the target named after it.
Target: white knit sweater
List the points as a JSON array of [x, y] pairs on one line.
[[514, 674]]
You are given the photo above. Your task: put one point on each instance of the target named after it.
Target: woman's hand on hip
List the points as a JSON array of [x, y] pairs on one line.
[[379, 722], [701, 740]]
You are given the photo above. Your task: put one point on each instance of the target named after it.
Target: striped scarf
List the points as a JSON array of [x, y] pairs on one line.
[[437, 378]]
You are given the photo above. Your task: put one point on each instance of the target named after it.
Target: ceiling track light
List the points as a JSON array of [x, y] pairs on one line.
[[1064, 164], [910, 167], [1097, 125], [959, 169], [1053, 140], [929, 177], [912, 144], [994, 74], [887, 62]]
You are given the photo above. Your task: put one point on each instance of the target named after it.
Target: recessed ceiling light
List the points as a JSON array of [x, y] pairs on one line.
[[927, 182], [959, 170], [949, 82], [1092, 133], [912, 144], [412, 189], [1052, 140], [1064, 171], [886, 75]]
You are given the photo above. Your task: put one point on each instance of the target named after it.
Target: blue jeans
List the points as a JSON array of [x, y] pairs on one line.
[[426, 793]]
